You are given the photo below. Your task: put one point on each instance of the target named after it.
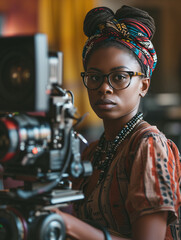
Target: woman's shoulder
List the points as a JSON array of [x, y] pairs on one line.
[[145, 131], [148, 139]]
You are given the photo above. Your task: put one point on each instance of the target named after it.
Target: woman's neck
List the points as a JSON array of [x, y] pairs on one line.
[[113, 126]]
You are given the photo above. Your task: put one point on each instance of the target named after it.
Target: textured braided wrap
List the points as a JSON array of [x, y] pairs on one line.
[[129, 32]]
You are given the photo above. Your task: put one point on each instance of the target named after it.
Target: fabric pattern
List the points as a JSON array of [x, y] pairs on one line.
[[144, 178], [130, 33]]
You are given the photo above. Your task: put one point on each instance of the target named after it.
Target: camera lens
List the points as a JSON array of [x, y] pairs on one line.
[[54, 231], [4, 230], [12, 225], [47, 227], [17, 73], [16, 79], [19, 76], [9, 139]]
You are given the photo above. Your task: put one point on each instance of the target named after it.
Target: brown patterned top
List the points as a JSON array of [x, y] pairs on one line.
[[143, 178]]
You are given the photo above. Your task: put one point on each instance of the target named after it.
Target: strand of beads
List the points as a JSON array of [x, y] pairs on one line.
[[104, 164]]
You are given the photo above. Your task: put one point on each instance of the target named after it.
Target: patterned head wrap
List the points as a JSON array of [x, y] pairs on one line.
[[132, 34]]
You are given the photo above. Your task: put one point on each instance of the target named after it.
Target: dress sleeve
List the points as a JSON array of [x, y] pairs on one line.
[[155, 178]]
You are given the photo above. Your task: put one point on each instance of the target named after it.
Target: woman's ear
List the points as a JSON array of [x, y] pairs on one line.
[[145, 83]]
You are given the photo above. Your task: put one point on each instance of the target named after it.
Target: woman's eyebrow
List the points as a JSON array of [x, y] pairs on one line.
[[119, 67], [95, 69]]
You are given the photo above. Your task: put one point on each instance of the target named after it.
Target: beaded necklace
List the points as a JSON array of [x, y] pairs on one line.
[[109, 147]]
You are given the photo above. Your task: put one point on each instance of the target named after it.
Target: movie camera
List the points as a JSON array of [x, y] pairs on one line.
[[38, 141]]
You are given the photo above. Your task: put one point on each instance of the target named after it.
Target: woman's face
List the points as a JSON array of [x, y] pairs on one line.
[[107, 102]]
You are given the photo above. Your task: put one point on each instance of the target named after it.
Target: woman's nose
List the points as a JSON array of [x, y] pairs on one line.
[[105, 86]]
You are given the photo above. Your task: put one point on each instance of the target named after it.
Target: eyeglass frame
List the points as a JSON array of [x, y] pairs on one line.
[[131, 74]]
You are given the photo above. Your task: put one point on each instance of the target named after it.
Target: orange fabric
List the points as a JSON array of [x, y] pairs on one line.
[[152, 155]]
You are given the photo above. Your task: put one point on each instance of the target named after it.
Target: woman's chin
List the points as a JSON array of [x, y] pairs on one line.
[[105, 115]]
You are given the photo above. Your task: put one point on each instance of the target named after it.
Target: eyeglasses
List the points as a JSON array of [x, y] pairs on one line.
[[117, 80]]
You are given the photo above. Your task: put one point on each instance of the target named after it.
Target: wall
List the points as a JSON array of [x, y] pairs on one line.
[[20, 16]]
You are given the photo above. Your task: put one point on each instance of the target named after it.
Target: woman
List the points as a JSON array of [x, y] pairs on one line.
[[134, 189]]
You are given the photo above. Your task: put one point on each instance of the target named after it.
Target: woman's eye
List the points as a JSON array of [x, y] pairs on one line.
[[94, 78], [119, 77]]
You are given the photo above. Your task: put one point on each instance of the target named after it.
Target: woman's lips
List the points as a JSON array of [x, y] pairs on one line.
[[105, 103]]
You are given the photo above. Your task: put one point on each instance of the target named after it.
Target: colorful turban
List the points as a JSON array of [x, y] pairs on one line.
[[132, 34]]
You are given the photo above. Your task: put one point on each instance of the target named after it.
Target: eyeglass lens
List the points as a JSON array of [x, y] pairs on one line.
[[117, 80]]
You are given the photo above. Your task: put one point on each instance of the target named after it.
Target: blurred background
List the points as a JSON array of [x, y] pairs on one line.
[[62, 21]]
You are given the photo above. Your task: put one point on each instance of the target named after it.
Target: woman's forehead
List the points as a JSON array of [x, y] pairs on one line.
[[112, 57]]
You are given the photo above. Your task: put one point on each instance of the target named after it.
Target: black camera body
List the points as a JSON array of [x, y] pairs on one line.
[[38, 141], [24, 73]]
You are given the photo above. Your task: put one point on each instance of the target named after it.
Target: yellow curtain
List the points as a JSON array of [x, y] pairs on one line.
[[62, 21]]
